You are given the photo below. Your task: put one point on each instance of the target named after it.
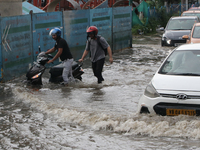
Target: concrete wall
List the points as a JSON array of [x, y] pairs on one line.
[[10, 7]]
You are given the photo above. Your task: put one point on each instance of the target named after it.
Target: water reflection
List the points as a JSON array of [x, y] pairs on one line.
[[97, 95]]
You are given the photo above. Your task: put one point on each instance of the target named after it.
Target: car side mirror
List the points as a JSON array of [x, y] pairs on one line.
[[185, 37], [161, 29]]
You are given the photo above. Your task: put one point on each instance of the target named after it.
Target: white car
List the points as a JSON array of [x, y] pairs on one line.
[[175, 87]]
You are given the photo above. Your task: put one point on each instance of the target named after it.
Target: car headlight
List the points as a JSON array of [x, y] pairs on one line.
[[168, 41], [151, 92], [164, 38]]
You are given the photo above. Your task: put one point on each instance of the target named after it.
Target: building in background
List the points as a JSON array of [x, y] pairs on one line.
[[10, 7], [62, 5]]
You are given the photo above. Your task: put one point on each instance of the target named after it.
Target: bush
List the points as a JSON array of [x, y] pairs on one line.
[[162, 16], [139, 29], [160, 19]]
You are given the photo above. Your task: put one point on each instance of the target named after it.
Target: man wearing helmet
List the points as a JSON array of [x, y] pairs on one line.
[[63, 52], [96, 45]]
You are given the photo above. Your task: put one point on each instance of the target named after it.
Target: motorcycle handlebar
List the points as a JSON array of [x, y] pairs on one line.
[[80, 63], [49, 55]]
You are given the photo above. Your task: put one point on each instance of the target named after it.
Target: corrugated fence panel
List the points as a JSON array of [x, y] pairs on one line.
[[0, 55], [102, 19], [42, 24], [122, 36], [122, 40], [16, 45], [122, 18], [75, 24]]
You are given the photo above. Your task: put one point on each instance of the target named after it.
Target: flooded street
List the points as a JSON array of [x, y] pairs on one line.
[[89, 116]]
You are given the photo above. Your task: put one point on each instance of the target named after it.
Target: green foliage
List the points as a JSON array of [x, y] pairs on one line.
[[159, 3], [148, 29], [160, 19], [156, 3], [137, 28], [151, 4], [162, 16]]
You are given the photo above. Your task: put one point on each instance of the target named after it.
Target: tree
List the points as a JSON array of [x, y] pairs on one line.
[[159, 3]]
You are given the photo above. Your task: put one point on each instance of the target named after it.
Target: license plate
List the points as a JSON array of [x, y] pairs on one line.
[[176, 112]]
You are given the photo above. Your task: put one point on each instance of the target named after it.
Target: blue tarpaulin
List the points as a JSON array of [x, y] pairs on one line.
[[27, 7]]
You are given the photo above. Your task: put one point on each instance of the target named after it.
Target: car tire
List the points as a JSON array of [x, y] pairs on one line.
[[162, 43]]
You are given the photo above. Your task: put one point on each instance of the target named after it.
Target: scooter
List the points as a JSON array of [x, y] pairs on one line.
[[34, 74]]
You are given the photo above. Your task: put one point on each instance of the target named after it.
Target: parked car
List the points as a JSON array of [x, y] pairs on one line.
[[194, 8], [191, 13], [175, 87], [194, 36], [176, 28]]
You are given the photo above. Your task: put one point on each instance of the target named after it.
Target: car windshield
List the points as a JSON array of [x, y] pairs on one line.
[[182, 63], [196, 32], [191, 14], [180, 24]]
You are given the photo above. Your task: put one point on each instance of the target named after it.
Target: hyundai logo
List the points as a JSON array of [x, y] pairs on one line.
[[181, 96]]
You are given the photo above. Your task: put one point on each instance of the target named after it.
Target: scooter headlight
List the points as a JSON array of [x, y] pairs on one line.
[[151, 92], [36, 76]]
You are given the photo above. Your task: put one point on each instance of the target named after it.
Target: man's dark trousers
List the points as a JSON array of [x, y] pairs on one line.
[[97, 68]]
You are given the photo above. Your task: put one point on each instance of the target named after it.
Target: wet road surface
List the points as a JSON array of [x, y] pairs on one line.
[[89, 116]]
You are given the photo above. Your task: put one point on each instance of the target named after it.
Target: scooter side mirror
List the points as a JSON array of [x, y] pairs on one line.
[[39, 48]]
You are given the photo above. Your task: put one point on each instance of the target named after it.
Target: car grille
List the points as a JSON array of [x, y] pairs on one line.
[[175, 96], [179, 41]]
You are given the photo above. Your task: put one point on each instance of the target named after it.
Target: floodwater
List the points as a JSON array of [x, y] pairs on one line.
[[88, 116]]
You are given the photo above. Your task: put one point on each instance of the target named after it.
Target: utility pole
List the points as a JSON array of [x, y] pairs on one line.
[[165, 3], [182, 2], [130, 2], [186, 2]]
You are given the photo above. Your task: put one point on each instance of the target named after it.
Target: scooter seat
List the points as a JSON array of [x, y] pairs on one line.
[[59, 68]]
